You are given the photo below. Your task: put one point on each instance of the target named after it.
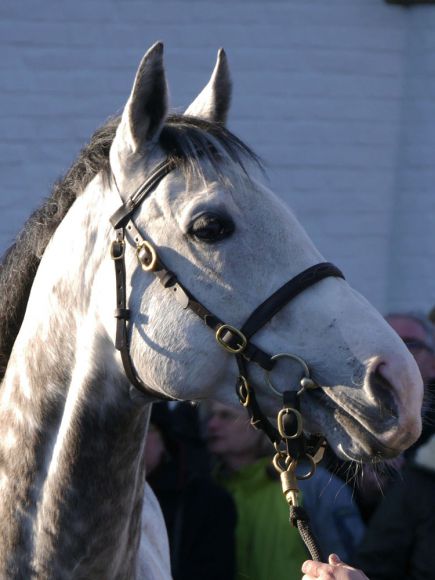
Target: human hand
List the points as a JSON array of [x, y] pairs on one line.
[[335, 570]]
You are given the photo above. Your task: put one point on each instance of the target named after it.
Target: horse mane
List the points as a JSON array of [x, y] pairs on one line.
[[20, 262], [187, 141]]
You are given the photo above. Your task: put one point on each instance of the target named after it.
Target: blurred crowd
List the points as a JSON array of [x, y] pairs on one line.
[[226, 516]]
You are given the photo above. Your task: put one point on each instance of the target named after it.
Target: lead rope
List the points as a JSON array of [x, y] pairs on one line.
[[292, 446], [286, 462]]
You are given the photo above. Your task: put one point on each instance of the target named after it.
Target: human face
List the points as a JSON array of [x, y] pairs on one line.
[[231, 437], [415, 337]]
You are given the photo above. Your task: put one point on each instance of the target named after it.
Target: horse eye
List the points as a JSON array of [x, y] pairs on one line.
[[210, 228]]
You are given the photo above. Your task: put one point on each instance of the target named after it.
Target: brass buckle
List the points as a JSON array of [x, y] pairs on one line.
[[113, 254], [145, 246], [240, 346], [289, 411]]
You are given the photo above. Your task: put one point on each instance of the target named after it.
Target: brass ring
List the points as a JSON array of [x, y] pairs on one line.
[[276, 458], [244, 387], [311, 470], [280, 444], [290, 356], [146, 246]]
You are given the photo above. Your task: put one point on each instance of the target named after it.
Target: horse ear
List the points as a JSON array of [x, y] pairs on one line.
[[146, 108], [214, 100]]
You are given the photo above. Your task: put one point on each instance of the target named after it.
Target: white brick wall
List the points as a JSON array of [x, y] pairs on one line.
[[338, 97]]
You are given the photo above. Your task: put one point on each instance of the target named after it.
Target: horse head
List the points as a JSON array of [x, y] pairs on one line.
[[232, 243]]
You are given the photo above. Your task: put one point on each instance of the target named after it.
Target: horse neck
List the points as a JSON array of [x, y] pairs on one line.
[[71, 441]]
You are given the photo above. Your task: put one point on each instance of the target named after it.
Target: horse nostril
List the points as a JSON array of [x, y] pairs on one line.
[[383, 391]]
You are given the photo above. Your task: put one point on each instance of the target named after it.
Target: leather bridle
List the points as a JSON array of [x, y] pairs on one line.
[[235, 341]]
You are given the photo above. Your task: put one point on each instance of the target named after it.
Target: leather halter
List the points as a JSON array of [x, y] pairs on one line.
[[234, 341], [290, 442]]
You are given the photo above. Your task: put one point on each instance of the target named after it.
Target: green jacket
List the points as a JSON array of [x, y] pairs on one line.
[[268, 547]]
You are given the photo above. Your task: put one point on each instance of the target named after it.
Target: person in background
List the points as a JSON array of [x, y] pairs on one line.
[[400, 538], [371, 485], [200, 515], [186, 428], [267, 545], [418, 333]]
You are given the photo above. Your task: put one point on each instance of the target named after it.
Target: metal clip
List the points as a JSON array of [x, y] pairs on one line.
[[289, 482]]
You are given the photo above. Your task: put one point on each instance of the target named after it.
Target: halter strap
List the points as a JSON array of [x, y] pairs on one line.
[[122, 315], [235, 341], [288, 291], [123, 214]]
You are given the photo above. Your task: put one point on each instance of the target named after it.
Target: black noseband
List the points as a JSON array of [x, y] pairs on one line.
[[272, 305]]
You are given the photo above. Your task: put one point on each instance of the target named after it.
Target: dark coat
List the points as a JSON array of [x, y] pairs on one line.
[[400, 540], [200, 517]]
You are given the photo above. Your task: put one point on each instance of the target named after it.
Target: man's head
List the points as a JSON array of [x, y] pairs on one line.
[[231, 437], [417, 331]]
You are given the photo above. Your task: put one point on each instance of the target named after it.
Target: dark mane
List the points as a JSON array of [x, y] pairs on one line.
[[188, 141]]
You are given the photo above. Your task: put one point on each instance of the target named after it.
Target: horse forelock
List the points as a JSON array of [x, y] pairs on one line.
[[192, 143]]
